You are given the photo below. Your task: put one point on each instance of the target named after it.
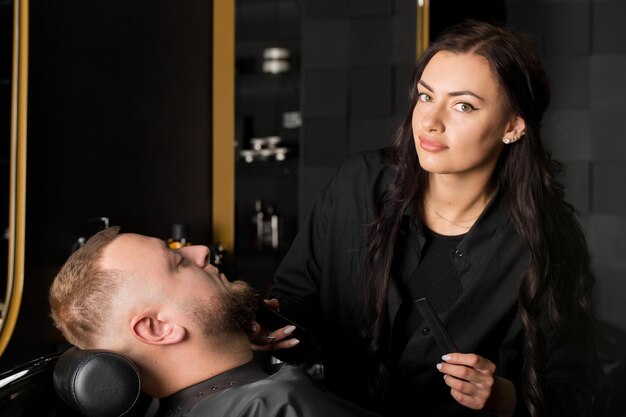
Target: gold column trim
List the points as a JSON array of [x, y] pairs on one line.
[[17, 188], [223, 108], [423, 26]]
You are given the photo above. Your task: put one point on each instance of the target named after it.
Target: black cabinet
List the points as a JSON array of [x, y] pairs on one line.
[[267, 109]]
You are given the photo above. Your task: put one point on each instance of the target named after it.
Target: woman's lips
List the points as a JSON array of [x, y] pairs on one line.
[[430, 145]]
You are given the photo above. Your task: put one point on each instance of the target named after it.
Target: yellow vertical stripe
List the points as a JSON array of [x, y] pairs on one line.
[[223, 175], [423, 26], [17, 209]]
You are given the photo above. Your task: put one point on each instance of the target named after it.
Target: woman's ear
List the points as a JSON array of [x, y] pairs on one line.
[[515, 129], [148, 328]]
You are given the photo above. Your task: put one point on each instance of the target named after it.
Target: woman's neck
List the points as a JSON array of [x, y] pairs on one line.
[[452, 205]]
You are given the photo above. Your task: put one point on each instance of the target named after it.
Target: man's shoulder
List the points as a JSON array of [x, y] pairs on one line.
[[308, 394], [289, 392], [294, 379]]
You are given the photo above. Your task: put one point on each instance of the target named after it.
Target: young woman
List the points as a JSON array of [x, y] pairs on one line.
[[463, 210]]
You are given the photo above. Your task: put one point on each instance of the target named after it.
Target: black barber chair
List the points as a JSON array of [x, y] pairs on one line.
[[76, 383], [27, 390], [100, 383]]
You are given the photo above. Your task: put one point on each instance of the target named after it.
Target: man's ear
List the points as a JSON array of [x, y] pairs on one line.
[[150, 329], [515, 129]]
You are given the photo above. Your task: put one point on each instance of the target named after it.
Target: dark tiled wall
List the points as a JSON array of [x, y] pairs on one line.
[[584, 46], [357, 57]]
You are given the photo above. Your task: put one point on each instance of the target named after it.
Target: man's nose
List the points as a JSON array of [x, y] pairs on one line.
[[199, 254]]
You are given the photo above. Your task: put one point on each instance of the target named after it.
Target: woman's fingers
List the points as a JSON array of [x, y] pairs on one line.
[[470, 378], [273, 302], [263, 340], [470, 360]]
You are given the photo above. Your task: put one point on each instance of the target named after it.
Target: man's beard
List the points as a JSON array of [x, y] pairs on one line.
[[235, 311]]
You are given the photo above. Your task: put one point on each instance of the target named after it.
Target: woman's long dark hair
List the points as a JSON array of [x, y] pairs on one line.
[[558, 281]]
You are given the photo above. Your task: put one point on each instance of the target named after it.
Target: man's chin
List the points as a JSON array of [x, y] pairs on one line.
[[242, 304]]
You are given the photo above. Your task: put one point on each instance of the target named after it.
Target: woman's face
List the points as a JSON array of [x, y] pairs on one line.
[[461, 116]]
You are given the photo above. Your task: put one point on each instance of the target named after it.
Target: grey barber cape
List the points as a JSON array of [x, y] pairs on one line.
[[248, 391]]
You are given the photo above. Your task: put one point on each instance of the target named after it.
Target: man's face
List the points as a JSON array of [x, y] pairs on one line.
[[180, 283]]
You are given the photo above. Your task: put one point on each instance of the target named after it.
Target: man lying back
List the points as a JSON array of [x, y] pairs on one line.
[[183, 324]]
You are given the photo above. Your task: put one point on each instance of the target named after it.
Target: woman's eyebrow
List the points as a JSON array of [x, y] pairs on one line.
[[422, 82], [454, 93]]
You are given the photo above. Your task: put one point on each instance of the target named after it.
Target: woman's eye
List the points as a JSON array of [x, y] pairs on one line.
[[464, 107], [424, 97]]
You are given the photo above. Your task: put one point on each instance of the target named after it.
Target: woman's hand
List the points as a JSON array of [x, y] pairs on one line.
[[264, 339], [473, 384]]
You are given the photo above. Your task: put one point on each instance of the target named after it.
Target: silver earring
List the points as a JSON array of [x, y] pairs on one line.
[[506, 141]]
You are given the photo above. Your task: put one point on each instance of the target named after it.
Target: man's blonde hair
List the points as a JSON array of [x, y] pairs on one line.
[[80, 296]]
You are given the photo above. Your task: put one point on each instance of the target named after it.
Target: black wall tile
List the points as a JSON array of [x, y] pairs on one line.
[[325, 8], [608, 126], [567, 28], [325, 43], [609, 293], [569, 81], [404, 39], [370, 8], [405, 7], [324, 93], [609, 30], [371, 42], [371, 133], [608, 80], [567, 134], [370, 92], [325, 142], [607, 239], [608, 194], [269, 18], [528, 18]]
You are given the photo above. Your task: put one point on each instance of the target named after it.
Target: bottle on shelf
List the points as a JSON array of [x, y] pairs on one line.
[[266, 224], [179, 235], [270, 229], [258, 221]]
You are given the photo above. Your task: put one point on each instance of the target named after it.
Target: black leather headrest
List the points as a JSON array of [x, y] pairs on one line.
[[97, 383]]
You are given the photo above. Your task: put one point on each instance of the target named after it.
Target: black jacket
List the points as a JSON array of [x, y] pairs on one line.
[[319, 285], [247, 391]]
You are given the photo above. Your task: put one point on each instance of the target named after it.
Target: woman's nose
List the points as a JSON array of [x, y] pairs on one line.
[[432, 119], [199, 254]]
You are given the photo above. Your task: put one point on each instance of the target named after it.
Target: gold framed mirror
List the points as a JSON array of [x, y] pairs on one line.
[[17, 175], [423, 27]]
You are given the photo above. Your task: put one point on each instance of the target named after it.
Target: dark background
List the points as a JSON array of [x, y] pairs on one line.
[[119, 120]]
